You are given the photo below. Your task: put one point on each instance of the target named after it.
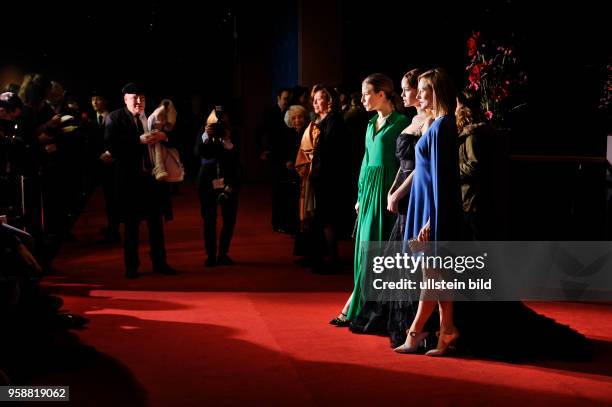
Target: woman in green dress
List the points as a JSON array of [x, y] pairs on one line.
[[378, 169]]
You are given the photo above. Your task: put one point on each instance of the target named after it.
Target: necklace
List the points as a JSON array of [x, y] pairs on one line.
[[384, 118], [380, 122]]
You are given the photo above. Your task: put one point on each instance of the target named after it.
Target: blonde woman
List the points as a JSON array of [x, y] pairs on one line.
[[433, 209], [306, 242]]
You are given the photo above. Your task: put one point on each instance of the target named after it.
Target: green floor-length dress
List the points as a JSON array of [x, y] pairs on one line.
[[378, 170]]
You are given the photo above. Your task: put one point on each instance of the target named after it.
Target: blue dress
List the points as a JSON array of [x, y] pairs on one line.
[[435, 193]]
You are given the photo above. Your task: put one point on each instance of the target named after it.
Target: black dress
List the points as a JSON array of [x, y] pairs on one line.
[[405, 154]]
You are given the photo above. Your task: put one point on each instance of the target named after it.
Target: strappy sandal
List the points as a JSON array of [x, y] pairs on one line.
[[340, 320]]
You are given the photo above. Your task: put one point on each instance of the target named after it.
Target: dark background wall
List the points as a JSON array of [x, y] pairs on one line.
[[239, 54], [219, 50]]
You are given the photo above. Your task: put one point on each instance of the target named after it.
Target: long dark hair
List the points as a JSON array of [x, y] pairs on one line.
[[34, 90], [412, 77], [381, 82]]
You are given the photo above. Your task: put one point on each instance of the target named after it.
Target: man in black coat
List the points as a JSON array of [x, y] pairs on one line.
[[270, 134], [139, 195], [102, 165]]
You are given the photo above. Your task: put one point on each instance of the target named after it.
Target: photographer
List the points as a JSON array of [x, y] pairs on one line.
[[11, 151], [218, 184]]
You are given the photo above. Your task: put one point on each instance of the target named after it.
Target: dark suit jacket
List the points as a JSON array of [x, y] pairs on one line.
[[95, 136], [138, 193], [330, 175], [330, 169], [270, 130]]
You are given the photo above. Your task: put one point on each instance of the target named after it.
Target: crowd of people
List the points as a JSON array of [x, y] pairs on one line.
[[54, 152], [44, 168], [424, 178], [310, 141], [431, 179]]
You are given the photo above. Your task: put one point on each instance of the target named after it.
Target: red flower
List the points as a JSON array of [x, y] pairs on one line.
[[491, 75], [474, 76], [472, 44], [472, 47]]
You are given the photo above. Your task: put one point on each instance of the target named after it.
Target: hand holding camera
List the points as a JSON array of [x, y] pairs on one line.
[[217, 132], [54, 121], [225, 194], [217, 127]]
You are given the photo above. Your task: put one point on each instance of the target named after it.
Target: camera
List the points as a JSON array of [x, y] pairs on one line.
[[218, 128], [12, 150], [223, 196]]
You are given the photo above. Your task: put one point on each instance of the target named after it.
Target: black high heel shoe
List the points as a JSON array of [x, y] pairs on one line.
[[340, 320]]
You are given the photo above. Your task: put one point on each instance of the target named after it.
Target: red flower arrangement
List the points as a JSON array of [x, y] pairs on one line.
[[493, 72]]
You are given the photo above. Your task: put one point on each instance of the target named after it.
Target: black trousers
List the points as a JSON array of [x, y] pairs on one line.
[[157, 253], [106, 176], [33, 220], [209, 202], [477, 226], [55, 195], [285, 204]]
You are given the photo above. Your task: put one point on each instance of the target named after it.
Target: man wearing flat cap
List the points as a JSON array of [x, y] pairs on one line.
[[139, 196]]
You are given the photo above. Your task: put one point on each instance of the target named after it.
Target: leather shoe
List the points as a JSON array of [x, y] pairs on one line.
[[132, 274], [164, 269], [71, 321], [210, 262], [110, 239], [224, 260]]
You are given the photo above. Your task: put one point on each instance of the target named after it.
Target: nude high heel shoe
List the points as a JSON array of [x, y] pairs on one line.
[[446, 341], [415, 339]]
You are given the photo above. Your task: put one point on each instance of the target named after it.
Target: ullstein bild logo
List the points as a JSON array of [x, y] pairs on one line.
[[432, 284]]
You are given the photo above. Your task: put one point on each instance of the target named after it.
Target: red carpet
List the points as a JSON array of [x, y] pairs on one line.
[[258, 332]]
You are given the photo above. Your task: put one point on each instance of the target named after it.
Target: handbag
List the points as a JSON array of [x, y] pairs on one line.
[[174, 166], [167, 164]]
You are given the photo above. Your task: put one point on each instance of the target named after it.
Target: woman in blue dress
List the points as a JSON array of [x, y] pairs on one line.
[[434, 214], [433, 208]]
